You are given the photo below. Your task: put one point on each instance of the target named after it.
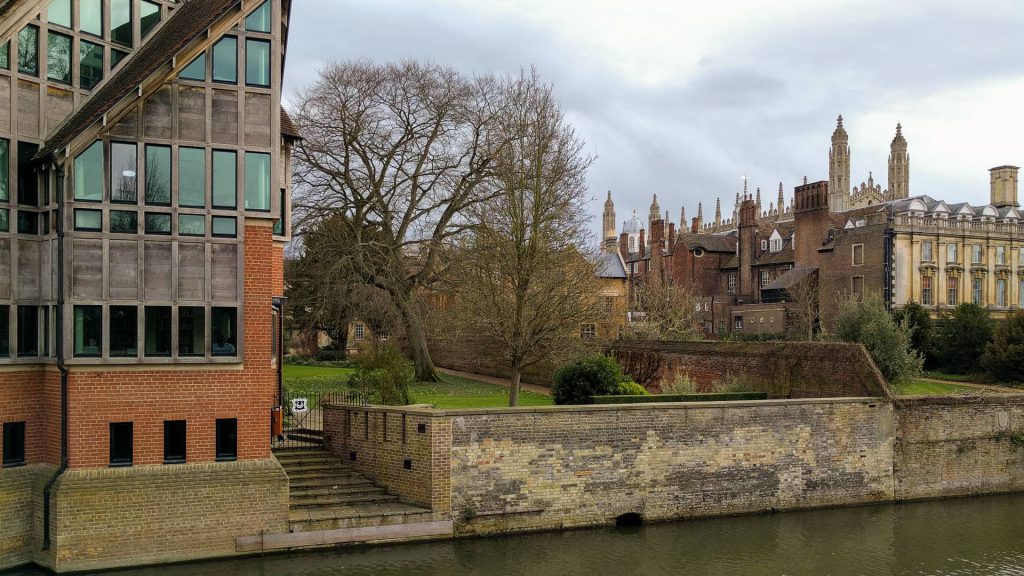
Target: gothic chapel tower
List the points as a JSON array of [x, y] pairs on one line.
[[608, 221], [899, 167], [839, 170]]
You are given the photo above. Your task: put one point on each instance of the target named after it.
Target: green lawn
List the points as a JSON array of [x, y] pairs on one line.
[[312, 379], [927, 388], [937, 375]]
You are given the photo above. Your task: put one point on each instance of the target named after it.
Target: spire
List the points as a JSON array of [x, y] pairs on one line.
[[758, 200], [782, 200], [700, 211], [608, 223], [608, 203], [655, 212], [718, 212], [899, 166], [682, 219], [744, 186], [839, 169]]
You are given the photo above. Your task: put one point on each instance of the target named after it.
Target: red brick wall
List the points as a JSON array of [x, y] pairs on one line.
[[24, 400]]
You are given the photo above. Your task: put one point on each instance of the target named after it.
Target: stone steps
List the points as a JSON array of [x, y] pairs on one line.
[[360, 515], [321, 482], [365, 487], [377, 496]]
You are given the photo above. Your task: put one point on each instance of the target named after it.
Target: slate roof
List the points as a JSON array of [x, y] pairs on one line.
[[609, 265], [186, 23], [288, 127], [790, 278], [709, 242]]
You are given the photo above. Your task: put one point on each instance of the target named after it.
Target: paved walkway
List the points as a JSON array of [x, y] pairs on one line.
[[986, 387], [505, 382]]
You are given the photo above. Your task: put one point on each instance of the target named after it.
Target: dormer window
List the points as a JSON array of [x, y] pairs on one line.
[[764, 245], [775, 245]]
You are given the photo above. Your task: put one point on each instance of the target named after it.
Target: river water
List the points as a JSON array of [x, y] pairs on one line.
[[950, 537]]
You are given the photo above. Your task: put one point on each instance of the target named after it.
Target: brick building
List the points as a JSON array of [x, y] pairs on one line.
[[144, 178]]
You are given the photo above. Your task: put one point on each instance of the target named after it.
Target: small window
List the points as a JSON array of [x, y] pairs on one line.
[[952, 253], [122, 443], [124, 331], [28, 223], [5, 169], [90, 58], [225, 179], [764, 245], [28, 180], [766, 278], [158, 330], [174, 441], [14, 444], [588, 331], [116, 56], [259, 19], [192, 177], [977, 253], [257, 63], [257, 181], [5, 220], [858, 254], [732, 283], [225, 60], [952, 291], [1001, 255], [191, 225], [150, 16], [225, 226], [124, 165], [122, 222], [191, 331], [158, 223], [360, 331], [89, 174], [90, 16], [28, 331], [88, 220], [158, 175], [227, 439], [225, 331], [926, 290], [196, 70], [28, 50], [58, 57], [279, 224], [5, 331], [59, 13], [926, 251], [738, 323], [121, 22], [88, 331]]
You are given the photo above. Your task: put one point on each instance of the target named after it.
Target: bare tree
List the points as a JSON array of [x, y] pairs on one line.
[[804, 295], [403, 151], [664, 311], [523, 280]]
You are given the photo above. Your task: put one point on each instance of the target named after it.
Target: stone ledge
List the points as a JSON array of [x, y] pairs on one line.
[[269, 468], [391, 533]]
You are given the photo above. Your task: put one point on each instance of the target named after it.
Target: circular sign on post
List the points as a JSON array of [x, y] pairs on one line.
[[298, 405]]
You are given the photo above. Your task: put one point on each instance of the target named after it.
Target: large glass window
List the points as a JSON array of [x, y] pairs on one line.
[[158, 175], [28, 222], [124, 331], [89, 173], [224, 226], [150, 16], [977, 291], [1001, 292], [952, 291], [90, 16], [121, 21], [196, 70], [90, 64], [225, 60], [28, 331], [191, 177], [174, 441], [257, 62], [225, 179], [158, 330], [122, 444], [191, 331], [28, 50], [191, 224], [257, 181], [5, 169], [124, 165], [158, 223], [28, 182], [58, 57], [259, 19], [225, 331], [59, 12], [227, 439], [124, 222], [88, 220], [5, 331], [89, 330]]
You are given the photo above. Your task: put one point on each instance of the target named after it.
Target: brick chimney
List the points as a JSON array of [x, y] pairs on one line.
[[643, 244], [624, 246], [1004, 186], [657, 248], [811, 219], [672, 234], [747, 289]]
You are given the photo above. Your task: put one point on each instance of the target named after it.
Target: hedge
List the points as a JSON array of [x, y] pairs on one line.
[[650, 398]]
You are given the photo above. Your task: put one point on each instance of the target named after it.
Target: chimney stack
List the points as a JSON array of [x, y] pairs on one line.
[[1004, 186]]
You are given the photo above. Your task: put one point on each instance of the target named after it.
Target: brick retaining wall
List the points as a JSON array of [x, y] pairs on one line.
[[20, 488]]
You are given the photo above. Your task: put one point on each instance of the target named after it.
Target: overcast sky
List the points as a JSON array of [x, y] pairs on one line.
[[682, 99]]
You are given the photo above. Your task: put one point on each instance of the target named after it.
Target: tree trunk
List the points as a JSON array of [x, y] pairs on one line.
[[513, 390], [425, 370]]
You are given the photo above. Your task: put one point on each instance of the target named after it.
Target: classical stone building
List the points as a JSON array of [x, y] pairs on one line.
[[144, 178]]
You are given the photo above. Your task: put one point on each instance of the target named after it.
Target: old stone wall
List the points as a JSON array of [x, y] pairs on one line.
[[20, 489]]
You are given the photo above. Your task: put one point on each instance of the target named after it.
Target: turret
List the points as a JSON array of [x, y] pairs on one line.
[[655, 213], [608, 221], [899, 166], [839, 169]]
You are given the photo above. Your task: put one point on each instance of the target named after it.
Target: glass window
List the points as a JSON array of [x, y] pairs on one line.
[[977, 251], [28, 222], [28, 50], [227, 439], [90, 16], [257, 62], [28, 331], [89, 220], [90, 64], [174, 441], [59, 12], [121, 444], [89, 173], [279, 225], [257, 181], [926, 251], [124, 331], [225, 60], [1020, 294], [259, 19], [89, 330], [926, 290], [952, 253], [14, 444], [124, 222], [5, 331], [58, 57], [191, 225], [977, 291], [1001, 292], [158, 175], [225, 179], [5, 56], [765, 278], [28, 182], [116, 56], [952, 291], [196, 70], [150, 16], [121, 22], [157, 223], [158, 330], [224, 331], [5, 169], [1001, 255], [225, 226], [124, 165], [5, 220], [191, 331], [191, 177]]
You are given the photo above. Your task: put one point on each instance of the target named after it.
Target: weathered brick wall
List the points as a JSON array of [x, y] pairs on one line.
[[22, 399], [958, 447], [19, 489]]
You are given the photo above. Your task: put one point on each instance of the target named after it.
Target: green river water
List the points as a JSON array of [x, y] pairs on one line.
[[951, 537]]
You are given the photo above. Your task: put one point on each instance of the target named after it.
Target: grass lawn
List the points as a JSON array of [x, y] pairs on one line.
[[927, 388], [312, 379], [937, 375]]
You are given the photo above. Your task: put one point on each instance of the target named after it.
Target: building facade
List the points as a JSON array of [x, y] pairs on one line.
[[144, 185]]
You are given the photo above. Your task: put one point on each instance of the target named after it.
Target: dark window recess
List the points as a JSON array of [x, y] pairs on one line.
[[158, 223], [116, 57], [353, 456], [191, 331], [150, 16], [90, 58], [121, 443], [227, 439], [174, 441], [124, 331], [89, 330], [421, 428], [28, 223], [224, 323], [279, 225], [158, 330], [28, 184], [121, 21], [124, 222], [28, 331], [14, 444], [5, 331]]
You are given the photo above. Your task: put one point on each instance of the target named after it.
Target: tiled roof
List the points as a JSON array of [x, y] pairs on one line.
[[187, 22], [288, 127], [7, 5], [790, 278], [779, 257]]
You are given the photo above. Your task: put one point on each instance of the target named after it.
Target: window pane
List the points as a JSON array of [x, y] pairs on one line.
[[259, 19], [116, 56], [124, 222], [225, 60], [174, 441], [28, 183], [196, 70], [124, 167], [88, 220], [28, 50], [124, 331], [191, 177], [28, 222], [89, 173], [279, 224], [225, 226], [121, 21], [158, 223], [257, 62], [225, 179], [5, 331], [224, 331], [28, 331], [227, 439], [59, 12], [88, 330], [158, 330], [158, 175], [90, 17], [58, 57], [150, 16], [5, 220], [191, 331], [5, 55], [121, 444], [5, 169], [257, 181], [191, 224], [91, 64]]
